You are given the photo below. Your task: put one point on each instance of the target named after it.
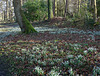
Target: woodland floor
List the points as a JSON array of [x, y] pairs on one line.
[[10, 45]]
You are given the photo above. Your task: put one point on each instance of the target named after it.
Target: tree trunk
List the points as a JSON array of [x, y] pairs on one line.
[[79, 4], [50, 11], [2, 16], [55, 8], [66, 8], [95, 11], [6, 15], [10, 11], [24, 24]]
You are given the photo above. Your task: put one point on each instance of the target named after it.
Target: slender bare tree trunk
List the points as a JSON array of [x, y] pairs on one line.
[[10, 11], [55, 8], [66, 8], [6, 13], [95, 11], [24, 24], [2, 16], [79, 1], [50, 11]]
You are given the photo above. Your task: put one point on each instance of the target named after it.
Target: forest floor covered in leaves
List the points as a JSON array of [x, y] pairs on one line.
[[52, 52]]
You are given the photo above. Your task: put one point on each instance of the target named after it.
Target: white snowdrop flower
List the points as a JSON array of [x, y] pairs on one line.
[[85, 52], [91, 49], [17, 57], [66, 63], [54, 73], [39, 70], [44, 62], [37, 48], [80, 56], [76, 48], [23, 50], [76, 45], [39, 61], [92, 37], [52, 63], [32, 55], [44, 52], [72, 61], [71, 71], [70, 56], [18, 53]]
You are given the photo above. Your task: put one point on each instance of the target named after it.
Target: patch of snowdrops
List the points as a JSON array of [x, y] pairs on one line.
[[50, 54]]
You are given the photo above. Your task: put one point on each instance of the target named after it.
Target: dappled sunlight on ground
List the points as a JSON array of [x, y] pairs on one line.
[[52, 51]]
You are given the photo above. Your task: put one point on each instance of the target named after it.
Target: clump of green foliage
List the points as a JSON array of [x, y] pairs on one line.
[[36, 10]]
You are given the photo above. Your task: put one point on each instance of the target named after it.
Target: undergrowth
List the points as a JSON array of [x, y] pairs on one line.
[[50, 58]]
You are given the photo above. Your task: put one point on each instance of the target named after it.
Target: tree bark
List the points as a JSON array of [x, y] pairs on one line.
[[66, 8], [95, 11], [10, 11], [24, 24], [55, 8], [79, 2], [50, 11], [6, 15]]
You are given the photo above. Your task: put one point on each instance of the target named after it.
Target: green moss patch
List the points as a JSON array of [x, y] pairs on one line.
[[28, 26]]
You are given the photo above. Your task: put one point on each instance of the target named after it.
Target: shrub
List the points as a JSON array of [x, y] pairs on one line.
[[36, 10]]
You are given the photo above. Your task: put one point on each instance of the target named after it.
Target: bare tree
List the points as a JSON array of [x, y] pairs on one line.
[[95, 11], [55, 8], [6, 13], [66, 8], [50, 11]]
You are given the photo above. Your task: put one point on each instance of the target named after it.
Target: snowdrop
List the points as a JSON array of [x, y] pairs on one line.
[[96, 71], [32, 56], [80, 56], [44, 52], [76, 45], [55, 48], [66, 64], [76, 48], [52, 63], [24, 50], [72, 61], [39, 70], [44, 62], [91, 49], [85, 52], [39, 61], [54, 73], [70, 56], [71, 72], [17, 57], [18, 53]]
